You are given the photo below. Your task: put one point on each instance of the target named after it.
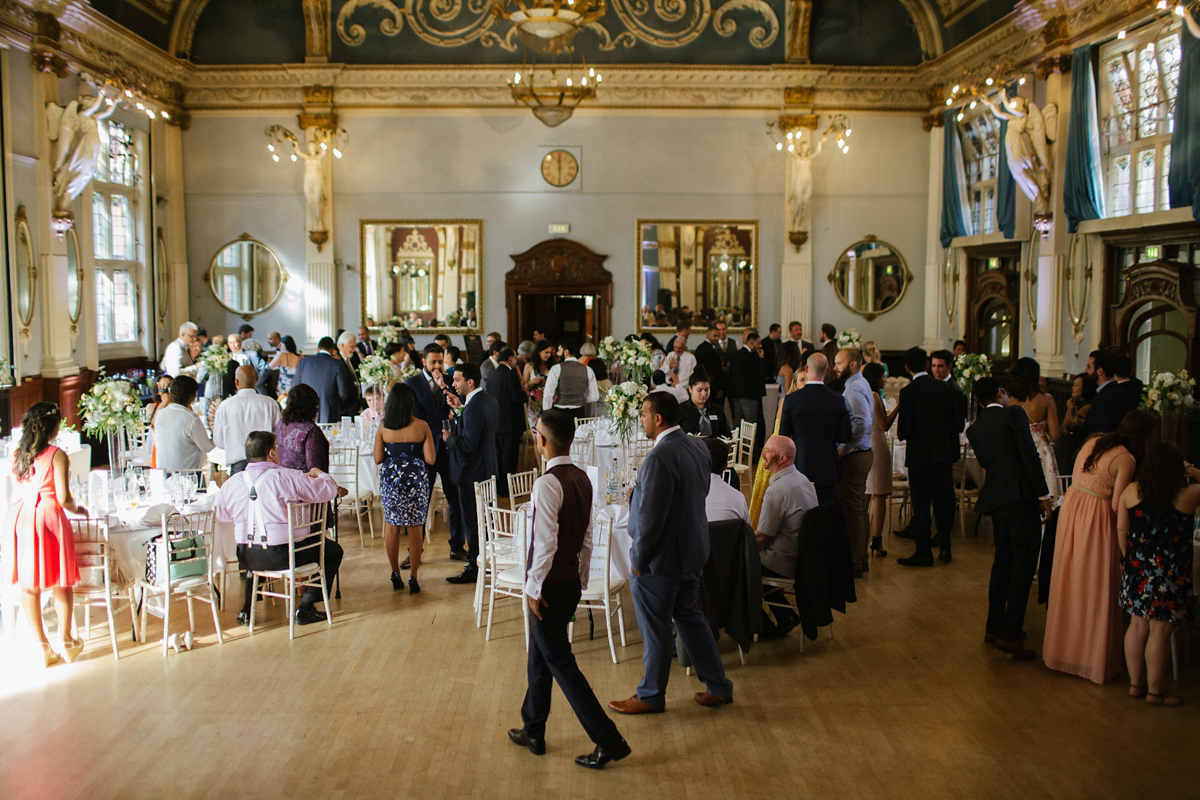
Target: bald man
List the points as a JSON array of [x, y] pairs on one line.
[[788, 497], [817, 419], [245, 411]]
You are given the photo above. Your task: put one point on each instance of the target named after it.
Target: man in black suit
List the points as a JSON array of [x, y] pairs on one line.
[[709, 356], [746, 386], [683, 329], [1123, 370], [433, 407], [491, 362], [346, 347], [1012, 492], [1112, 402], [929, 424], [699, 416], [366, 345], [828, 348], [471, 441], [505, 386], [668, 526], [329, 377], [941, 366], [770, 351], [817, 418]]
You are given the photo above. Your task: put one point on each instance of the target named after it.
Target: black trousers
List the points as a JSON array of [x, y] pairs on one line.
[[576, 413], [550, 658], [1017, 528], [441, 466], [508, 449], [470, 519], [826, 493], [252, 557], [931, 486]]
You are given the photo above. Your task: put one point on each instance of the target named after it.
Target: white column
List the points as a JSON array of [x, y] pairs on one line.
[[1052, 252], [174, 234], [796, 272], [320, 289], [58, 361], [936, 328]]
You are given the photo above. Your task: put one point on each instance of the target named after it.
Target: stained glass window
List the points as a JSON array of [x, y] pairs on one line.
[[979, 132], [1145, 181], [1147, 92], [1121, 185], [118, 230], [1164, 201]]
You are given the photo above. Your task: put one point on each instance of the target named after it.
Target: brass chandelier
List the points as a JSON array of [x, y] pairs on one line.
[[553, 103]]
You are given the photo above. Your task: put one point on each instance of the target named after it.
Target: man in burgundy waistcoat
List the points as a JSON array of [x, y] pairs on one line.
[[557, 572]]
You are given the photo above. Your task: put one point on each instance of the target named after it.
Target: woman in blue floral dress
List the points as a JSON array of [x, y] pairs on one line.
[[1154, 532], [404, 445]]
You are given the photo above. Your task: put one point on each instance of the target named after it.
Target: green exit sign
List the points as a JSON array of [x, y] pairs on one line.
[[560, 228]]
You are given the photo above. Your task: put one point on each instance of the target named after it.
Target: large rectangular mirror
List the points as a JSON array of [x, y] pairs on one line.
[[704, 270], [423, 274]]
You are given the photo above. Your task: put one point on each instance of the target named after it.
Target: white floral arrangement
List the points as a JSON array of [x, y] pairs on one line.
[[6, 378], [110, 406], [405, 374], [849, 339], [969, 368], [1168, 393], [375, 371], [624, 404], [635, 356], [215, 359], [388, 334]]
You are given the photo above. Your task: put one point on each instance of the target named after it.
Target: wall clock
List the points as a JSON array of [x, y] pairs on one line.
[[559, 167]]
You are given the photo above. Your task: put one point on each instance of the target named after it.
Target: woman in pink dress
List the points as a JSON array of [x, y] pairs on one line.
[[1083, 619], [38, 532]]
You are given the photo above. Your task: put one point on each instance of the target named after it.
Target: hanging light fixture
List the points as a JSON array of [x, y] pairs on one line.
[[555, 101], [548, 26]]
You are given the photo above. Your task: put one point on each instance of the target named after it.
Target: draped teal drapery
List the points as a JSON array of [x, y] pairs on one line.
[[953, 223], [1006, 190], [1184, 177], [1082, 195]]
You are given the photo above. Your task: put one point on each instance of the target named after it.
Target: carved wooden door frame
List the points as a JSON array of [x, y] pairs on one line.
[[559, 267]]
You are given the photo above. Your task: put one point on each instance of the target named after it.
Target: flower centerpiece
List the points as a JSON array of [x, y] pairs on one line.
[[969, 368], [375, 370], [405, 374], [849, 339], [215, 359], [388, 333], [6, 378], [110, 408], [624, 405], [1168, 393], [634, 356]]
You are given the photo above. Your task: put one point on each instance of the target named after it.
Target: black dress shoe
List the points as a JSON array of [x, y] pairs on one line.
[[307, 615], [458, 555], [916, 560], [468, 575], [413, 586], [944, 557], [602, 755], [518, 737], [904, 533], [243, 618], [397, 582]]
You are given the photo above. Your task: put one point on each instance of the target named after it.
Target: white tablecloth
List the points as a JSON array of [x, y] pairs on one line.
[[618, 551], [79, 465], [128, 542]]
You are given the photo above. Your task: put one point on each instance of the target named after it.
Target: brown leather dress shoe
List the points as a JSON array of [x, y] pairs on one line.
[[1015, 648], [634, 706], [712, 700]]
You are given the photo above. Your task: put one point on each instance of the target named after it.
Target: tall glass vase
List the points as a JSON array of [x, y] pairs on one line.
[[116, 452]]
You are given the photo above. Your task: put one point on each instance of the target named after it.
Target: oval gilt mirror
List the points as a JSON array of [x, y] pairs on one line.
[[74, 278], [26, 272], [246, 276], [870, 277]]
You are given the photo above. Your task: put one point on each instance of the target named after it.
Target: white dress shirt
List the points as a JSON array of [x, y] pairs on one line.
[[724, 502], [175, 358], [686, 364], [547, 499], [180, 441], [246, 411], [660, 436], [593, 391]]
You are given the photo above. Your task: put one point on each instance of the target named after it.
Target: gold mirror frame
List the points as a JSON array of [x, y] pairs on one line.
[[23, 240], [1078, 275], [424, 223], [162, 276], [905, 274], [247, 314], [75, 271], [950, 284], [751, 224]]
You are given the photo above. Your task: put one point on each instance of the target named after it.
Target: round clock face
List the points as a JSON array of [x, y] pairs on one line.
[[559, 167]]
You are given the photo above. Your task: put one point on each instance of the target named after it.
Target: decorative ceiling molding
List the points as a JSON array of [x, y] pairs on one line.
[[316, 29], [183, 28]]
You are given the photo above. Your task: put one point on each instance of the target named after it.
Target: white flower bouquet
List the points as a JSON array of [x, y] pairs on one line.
[[624, 404], [969, 368], [375, 371], [388, 334], [405, 374], [109, 407], [849, 339], [1168, 393], [215, 359], [635, 357]]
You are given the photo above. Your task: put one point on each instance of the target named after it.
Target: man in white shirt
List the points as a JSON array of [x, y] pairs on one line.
[[180, 441], [556, 575], [246, 411], [176, 356], [569, 384], [680, 364], [723, 502]]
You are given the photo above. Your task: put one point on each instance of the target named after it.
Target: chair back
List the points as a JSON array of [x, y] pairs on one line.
[[307, 521], [185, 550], [520, 486], [485, 496], [600, 567], [636, 452], [135, 439], [210, 414], [343, 466], [506, 542], [585, 420], [745, 443], [96, 569], [583, 451]]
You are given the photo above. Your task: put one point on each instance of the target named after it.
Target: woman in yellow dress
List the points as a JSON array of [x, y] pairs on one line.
[[762, 477]]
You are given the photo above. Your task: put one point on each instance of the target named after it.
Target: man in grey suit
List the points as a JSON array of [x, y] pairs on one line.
[[669, 529], [330, 377], [471, 441]]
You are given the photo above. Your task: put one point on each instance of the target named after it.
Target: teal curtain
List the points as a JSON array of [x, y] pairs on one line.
[[953, 223], [1184, 177], [1006, 190], [1082, 195]]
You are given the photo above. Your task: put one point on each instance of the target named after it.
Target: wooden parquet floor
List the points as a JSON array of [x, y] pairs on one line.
[[403, 698]]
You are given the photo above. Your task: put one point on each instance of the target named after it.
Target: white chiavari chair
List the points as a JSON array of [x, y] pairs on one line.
[[485, 497], [310, 522], [183, 569], [99, 579], [343, 466], [520, 487], [636, 451], [586, 420], [508, 573], [604, 588], [583, 451], [742, 450]]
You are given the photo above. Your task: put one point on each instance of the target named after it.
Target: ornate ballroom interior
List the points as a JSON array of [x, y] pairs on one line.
[[1020, 175]]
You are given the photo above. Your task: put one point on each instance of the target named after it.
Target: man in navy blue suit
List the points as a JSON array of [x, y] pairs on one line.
[[669, 529], [329, 377], [817, 419], [433, 407], [1112, 401], [471, 441]]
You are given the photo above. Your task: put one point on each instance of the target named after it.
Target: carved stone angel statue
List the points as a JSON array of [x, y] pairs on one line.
[[314, 184], [75, 130], [800, 185], [1031, 131]]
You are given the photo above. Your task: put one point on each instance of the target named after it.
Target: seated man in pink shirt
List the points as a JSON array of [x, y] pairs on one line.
[[264, 546]]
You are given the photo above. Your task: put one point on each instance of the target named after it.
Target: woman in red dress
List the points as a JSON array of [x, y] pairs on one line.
[[38, 532]]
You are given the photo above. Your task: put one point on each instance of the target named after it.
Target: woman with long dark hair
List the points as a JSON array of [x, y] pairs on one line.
[[302, 444], [1154, 532], [404, 446], [39, 535], [1042, 411], [1083, 620], [286, 361], [787, 364]]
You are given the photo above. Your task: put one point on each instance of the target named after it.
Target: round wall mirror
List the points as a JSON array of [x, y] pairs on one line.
[[26, 272], [246, 276], [870, 277], [74, 278], [162, 277]]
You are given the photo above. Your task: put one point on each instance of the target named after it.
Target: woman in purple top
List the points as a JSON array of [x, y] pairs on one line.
[[302, 445]]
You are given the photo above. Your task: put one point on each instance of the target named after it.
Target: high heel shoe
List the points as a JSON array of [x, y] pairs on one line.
[[397, 582], [49, 656], [877, 545], [413, 586], [70, 649]]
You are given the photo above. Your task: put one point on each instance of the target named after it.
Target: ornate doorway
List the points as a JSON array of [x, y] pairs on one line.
[[992, 321], [561, 289]]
